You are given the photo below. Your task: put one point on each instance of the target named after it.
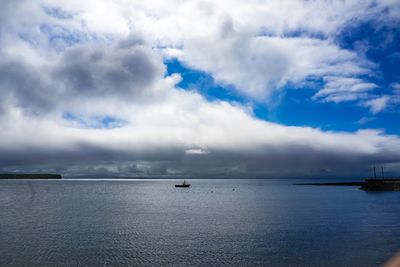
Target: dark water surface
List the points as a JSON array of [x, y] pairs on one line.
[[151, 223]]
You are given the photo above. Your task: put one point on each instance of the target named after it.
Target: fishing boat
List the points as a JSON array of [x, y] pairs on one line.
[[184, 184]]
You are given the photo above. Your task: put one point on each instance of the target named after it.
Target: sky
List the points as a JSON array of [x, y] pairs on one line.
[[200, 89]]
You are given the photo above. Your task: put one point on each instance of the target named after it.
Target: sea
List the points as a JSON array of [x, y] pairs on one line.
[[222, 222]]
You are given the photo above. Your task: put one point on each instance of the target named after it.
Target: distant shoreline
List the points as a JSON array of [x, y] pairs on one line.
[[30, 176]]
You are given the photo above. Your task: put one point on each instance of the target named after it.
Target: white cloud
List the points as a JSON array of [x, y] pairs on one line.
[[340, 89], [258, 66], [196, 151], [256, 46], [260, 46], [185, 125], [365, 120], [378, 104], [396, 88]]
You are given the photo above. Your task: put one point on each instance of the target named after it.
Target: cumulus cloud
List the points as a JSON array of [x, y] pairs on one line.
[[84, 88], [126, 70], [259, 65]]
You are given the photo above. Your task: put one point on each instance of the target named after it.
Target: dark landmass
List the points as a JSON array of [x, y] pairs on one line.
[[381, 185], [367, 185], [29, 176]]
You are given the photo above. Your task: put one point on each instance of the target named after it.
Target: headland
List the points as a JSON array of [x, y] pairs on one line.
[[30, 176]]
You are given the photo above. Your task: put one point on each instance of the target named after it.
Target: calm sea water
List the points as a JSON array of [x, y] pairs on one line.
[[151, 223]]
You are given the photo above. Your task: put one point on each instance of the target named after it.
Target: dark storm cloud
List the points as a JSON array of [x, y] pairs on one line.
[[131, 41], [7, 10], [268, 161], [23, 86], [125, 71]]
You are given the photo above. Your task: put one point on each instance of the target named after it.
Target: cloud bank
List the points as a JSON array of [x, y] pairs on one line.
[[84, 88]]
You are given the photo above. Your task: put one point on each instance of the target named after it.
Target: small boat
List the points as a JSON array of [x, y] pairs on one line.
[[184, 184]]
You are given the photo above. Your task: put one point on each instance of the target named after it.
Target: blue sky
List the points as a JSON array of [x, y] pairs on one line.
[[200, 88]]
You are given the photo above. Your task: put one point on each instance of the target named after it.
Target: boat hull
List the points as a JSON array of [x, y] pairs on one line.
[[182, 185]]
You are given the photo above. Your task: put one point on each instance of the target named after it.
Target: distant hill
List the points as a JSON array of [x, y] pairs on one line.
[[29, 176]]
